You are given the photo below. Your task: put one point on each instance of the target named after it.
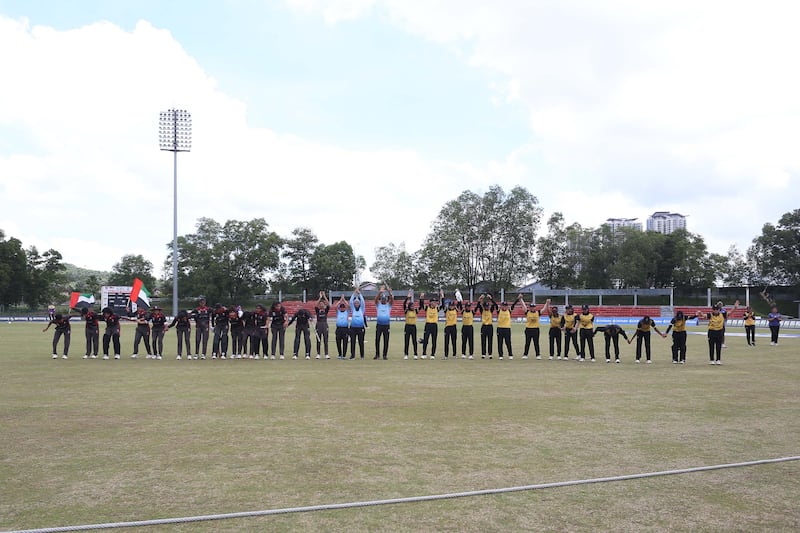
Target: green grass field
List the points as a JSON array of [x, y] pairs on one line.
[[97, 441]]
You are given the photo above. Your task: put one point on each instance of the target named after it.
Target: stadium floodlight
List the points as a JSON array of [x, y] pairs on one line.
[[175, 135]]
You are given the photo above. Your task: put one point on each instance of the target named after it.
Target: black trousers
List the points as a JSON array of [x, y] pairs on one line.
[[642, 337], [141, 334], [750, 333], [467, 339], [382, 332], [109, 337], [504, 337], [342, 335], [609, 340], [237, 341], [220, 344], [570, 336], [410, 337], [322, 337], [298, 331], [715, 338], [773, 333], [278, 337], [92, 341], [157, 339], [356, 336], [201, 337], [555, 342], [532, 335], [431, 332], [449, 340], [56, 336], [587, 339], [679, 346], [486, 339], [183, 335]]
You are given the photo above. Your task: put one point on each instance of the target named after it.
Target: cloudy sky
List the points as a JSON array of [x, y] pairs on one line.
[[324, 113]]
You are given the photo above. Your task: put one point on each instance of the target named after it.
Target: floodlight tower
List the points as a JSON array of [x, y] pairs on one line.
[[175, 135]]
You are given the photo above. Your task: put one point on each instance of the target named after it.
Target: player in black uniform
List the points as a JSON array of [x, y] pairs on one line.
[[202, 316], [64, 329], [642, 335], [220, 324], [410, 329], [611, 333], [303, 319], [277, 315], [142, 319], [486, 308], [260, 332], [159, 322], [112, 332], [237, 333], [467, 328], [321, 326], [183, 327], [92, 332]]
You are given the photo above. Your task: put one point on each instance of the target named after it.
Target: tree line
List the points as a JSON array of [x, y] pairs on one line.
[[488, 240]]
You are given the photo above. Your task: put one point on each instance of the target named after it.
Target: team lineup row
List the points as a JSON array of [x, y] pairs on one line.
[[246, 333]]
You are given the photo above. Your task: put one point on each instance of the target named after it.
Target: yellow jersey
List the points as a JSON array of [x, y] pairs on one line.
[[504, 319], [749, 319], [586, 320], [555, 321], [450, 317], [532, 319], [678, 325], [467, 317], [716, 322], [486, 317], [569, 321], [431, 315], [411, 316]]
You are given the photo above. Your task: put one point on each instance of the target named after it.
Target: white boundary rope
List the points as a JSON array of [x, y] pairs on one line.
[[393, 501]]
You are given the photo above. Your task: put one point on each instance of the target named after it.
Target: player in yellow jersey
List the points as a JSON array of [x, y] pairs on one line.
[[467, 333], [749, 319], [678, 327], [410, 331], [486, 308], [569, 323], [586, 330], [532, 333], [431, 331], [504, 329], [555, 332], [642, 336], [716, 333], [450, 321]]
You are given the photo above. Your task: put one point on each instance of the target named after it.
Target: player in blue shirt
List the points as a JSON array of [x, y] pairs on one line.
[[342, 326], [383, 303]]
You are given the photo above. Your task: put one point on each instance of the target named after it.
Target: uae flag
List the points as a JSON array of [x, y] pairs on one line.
[[79, 300], [140, 295]]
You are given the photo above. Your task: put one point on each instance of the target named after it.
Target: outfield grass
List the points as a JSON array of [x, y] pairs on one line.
[[96, 441]]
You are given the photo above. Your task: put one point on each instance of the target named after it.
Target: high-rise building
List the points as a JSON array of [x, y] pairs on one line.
[[617, 224], [665, 222]]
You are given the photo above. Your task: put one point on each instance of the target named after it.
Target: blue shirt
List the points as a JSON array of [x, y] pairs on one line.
[[384, 313], [341, 318], [774, 319], [357, 315]]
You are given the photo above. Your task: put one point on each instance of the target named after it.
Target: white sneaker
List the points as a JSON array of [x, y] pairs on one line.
[[719, 362], [327, 357], [637, 361], [616, 361], [405, 357], [415, 357], [559, 358], [308, 358], [105, 357], [134, 356], [222, 356], [773, 343], [524, 356], [63, 357], [712, 363], [86, 357], [579, 359], [510, 357], [281, 358], [470, 357], [195, 357], [463, 357], [92, 357], [158, 357], [423, 356], [203, 357], [683, 362], [256, 356], [317, 356], [648, 361], [116, 356], [539, 357], [294, 357], [608, 360], [55, 356], [551, 358], [179, 358], [724, 346], [213, 356], [592, 359]]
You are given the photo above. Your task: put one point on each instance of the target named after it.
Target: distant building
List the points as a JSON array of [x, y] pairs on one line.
[[616, 224], [665, 222]]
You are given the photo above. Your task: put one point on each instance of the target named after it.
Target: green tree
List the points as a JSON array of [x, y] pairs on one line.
[[489, 238], [297, 251], [394, 266], [130, 267], [44, 276], [227, 262], [551, 262], [333, 267], [776, 252], [13, 270]]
